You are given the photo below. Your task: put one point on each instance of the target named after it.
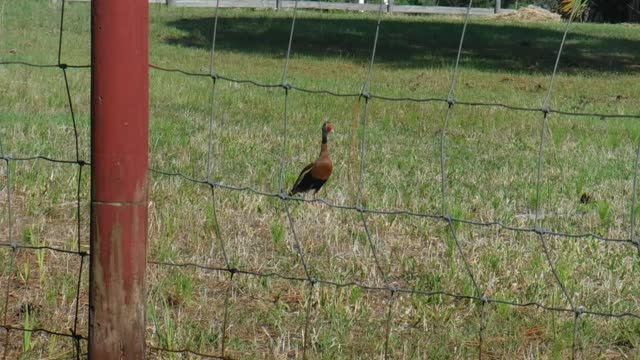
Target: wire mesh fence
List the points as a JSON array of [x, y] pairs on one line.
[[390, 291], [20, 252]]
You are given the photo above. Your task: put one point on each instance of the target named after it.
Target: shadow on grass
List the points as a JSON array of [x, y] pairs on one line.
[[413, 44]]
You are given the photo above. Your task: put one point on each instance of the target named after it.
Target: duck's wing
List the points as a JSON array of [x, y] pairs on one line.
[[300, 177]]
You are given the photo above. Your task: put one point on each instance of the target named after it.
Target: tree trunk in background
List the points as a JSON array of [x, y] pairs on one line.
[[634, 11]]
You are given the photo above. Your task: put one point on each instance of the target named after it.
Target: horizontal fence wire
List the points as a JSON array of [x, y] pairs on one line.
[[327, 92], [312, 280], [331, 283], [384, 289], [434, 216], [398, 99]]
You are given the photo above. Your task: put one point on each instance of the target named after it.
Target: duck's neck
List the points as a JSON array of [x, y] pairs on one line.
[[324, 147]]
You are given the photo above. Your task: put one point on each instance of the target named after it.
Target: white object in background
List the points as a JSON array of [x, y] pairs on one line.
[[386, 2]]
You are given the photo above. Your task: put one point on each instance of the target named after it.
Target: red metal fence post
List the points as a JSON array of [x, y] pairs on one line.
[[119, 162]]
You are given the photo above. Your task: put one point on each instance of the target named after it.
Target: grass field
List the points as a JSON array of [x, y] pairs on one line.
[[491, 172]]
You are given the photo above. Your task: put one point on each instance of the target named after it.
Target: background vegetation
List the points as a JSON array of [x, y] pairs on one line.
[[611, 11]]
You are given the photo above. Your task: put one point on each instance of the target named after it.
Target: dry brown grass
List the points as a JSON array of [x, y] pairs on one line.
[[530, 13]]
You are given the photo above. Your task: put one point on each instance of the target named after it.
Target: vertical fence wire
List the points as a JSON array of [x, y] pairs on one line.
[[285, 137], [212, 126], [12, 242], [451, 102], [359, 196], [364, 92], [212, 73], [311, 280], [12, 261], [2, 5], [363, 148], [80, 163], [388, 322], [286, 87], [209, 170], [443, 173], [483, 309], [540, 232], [60, 32], [443, 167], [634, 201], [307, 318]]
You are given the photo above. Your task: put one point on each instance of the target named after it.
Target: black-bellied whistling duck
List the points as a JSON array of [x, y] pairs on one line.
[[314, 175]]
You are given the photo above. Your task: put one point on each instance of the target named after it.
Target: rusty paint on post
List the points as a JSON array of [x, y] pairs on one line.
[[119, 162]]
